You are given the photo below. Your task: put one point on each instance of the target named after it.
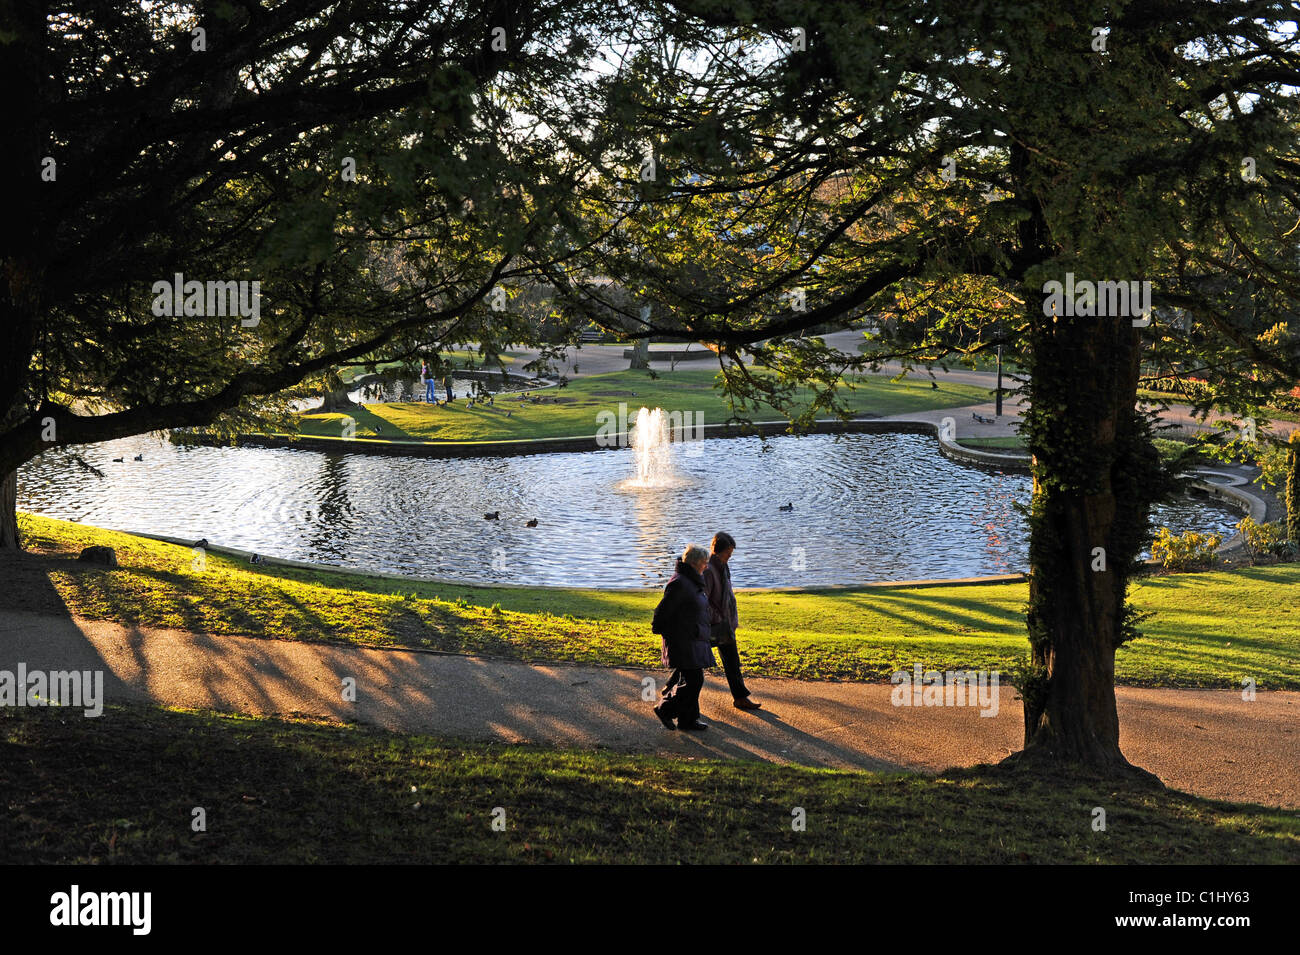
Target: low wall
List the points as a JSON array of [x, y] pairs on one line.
[[467, 449], [1004, 462]]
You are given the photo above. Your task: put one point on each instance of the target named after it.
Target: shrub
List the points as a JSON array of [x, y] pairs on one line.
[[1169, 450], [1260, 538], [1285, 550], [1184, 551], [1293, 487]]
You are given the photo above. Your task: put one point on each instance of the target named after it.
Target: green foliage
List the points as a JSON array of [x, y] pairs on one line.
[[1187, 551], [1286, 550], [1293, 487], [1173, 453], [1261, 538], [1034, 682], [378, 181]]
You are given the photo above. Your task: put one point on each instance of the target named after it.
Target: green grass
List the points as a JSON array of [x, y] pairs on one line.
[[1210, 630], [1010, 442], [122, 788], [577, 407]]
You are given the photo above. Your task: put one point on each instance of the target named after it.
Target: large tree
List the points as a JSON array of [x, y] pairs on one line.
[[941, 164], [373, 165]]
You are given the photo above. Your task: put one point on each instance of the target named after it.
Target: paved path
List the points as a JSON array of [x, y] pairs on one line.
[[1207, 742]]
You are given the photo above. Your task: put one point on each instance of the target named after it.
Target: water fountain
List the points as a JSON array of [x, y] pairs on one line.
[[651, 446]]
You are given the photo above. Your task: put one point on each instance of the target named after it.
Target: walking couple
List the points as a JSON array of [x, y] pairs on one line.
[[697, 613]]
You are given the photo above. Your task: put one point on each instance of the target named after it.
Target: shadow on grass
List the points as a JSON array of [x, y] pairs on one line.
[[124, 788]]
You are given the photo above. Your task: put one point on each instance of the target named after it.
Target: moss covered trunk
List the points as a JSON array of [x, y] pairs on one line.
[[1096, 474]]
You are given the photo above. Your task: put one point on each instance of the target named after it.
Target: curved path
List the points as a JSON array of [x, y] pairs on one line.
[[1207, 742]]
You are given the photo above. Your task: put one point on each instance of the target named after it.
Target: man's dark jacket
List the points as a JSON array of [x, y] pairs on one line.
[[722, 601]]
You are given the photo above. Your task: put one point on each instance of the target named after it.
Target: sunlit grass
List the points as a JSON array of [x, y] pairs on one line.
[[575, 411], [1210, 629]]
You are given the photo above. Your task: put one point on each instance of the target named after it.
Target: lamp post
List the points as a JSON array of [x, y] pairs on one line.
[[997, 412]]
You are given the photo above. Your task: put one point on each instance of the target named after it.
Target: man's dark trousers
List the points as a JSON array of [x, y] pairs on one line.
[[730, 655]]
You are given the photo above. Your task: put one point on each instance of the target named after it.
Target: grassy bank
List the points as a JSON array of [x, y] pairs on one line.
[[1210, 629], [123, 788], [575, 409]]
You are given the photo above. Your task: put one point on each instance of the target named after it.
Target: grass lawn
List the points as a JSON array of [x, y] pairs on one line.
[[1012, 442], [575, 411], [123, 787], [1210, 630]]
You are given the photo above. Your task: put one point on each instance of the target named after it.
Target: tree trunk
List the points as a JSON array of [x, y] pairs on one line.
[[9, 539], [1096, 475], [640, 354], [336, 400], [27, 143]]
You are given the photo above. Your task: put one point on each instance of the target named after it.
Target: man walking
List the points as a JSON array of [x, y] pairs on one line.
[[724, 620]]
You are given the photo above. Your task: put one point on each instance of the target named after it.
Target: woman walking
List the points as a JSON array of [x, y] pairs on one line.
[[723, 619], [682, 620]]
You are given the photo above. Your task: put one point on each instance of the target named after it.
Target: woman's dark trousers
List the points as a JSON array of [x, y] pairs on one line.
[[682, 702]]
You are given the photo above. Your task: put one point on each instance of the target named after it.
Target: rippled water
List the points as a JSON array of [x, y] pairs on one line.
[[867, 507]]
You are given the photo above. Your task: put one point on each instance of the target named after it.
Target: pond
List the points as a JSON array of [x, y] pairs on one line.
[[866, 507]]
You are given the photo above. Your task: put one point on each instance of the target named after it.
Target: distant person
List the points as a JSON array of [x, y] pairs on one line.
[[682, 621], [723, 619]]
